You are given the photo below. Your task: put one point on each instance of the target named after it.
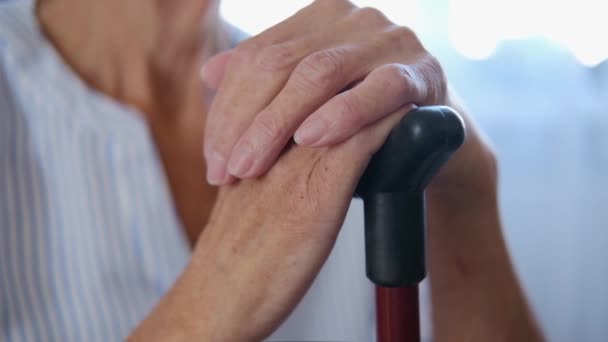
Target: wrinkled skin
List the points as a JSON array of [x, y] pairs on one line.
[[267, 238], [298, 80]]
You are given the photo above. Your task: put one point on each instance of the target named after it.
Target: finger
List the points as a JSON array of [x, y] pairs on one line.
[[382, 92], [320, 77], [257, 71], [343, 164], [213, 71], [252, 79], [339, 167], [314, 81], [359, 149]]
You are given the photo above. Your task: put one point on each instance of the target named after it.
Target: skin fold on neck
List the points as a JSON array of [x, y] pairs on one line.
[[146, 54]]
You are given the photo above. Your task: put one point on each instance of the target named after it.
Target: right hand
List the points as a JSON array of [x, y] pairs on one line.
[[267, 239]]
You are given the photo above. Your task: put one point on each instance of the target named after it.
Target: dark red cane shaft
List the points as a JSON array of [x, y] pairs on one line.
[[398, 314]]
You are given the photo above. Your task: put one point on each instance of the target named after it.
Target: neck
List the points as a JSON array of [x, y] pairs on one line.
[[130, 50], [147, 54]]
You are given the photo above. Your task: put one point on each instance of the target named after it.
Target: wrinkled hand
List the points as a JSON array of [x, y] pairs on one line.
[[267, 238], [319, 77]]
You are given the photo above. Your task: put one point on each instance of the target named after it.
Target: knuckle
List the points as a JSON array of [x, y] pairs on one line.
[[270, 128], [404, 38], [320, 70], [276, 57], [352, 105], [335, 5], [264, 57], [245, 52], [352, 109], [397, 78], [434, 80], [371, 15], [438, 80]]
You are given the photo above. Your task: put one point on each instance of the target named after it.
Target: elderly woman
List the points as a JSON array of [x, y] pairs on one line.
[[109, 228]]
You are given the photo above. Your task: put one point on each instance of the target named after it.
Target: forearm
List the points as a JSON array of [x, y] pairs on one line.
[[474, 289], [206, 303], [181, 314], [250, 268], [475, 293]]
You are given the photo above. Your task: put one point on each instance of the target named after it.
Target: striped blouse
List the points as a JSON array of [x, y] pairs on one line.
[[89, 237]]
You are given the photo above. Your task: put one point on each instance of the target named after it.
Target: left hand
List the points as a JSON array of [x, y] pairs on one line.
[[320, 76]]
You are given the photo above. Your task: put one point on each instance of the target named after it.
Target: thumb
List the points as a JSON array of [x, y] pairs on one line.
[[212, 72]]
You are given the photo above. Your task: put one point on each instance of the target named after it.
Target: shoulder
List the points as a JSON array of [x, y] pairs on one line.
[[19, 35], [14, 38], [21, 48], [27, 70], [36, 81]]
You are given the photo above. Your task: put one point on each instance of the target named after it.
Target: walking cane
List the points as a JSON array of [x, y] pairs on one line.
[[392, 189]]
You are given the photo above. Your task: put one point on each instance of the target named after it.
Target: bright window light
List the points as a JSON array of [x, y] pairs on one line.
[[255, 16], [475, 28]]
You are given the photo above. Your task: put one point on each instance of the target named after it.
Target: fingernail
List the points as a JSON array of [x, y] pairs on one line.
[[241, 160], [310, 132], [216, 169]]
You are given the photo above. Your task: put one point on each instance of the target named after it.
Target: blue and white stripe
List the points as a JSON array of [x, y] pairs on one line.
[[89, 239]]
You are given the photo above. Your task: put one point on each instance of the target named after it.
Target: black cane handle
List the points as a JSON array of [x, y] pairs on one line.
[[392, 189]]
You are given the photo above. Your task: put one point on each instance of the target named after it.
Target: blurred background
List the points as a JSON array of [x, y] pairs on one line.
[[533, 73]]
